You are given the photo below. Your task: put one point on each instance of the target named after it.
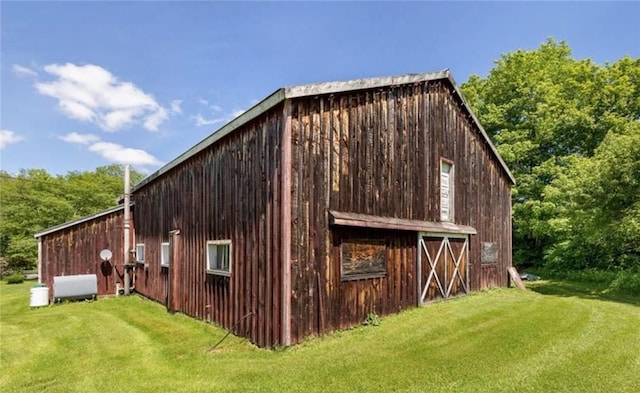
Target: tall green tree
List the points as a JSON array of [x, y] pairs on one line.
[[34, 200], [544, 109], [598, 203]]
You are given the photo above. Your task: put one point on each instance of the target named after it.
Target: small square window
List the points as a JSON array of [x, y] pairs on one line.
[[219, 257], [140, 252], [164, 255], [488, 253], [363, 258]]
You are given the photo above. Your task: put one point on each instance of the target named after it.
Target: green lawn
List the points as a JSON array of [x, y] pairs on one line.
[[559, 339]]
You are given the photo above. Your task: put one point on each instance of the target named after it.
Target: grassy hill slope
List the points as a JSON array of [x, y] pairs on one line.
[[501, 340]]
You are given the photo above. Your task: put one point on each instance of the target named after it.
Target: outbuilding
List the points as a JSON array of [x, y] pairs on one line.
[[324, 203], [73, 248]]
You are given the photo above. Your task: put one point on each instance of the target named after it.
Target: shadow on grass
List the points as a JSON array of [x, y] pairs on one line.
[[581, 290]]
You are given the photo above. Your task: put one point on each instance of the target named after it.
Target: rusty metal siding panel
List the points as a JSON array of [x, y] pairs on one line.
[[231, 191], [75, 250], [378, 152]]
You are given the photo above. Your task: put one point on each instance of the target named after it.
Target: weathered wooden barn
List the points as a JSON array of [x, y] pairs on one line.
[[74, 248], [324, 203]]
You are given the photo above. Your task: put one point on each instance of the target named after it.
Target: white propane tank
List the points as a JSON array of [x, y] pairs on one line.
[[39, 297]]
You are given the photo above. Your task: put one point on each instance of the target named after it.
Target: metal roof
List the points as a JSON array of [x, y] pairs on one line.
[[315, 89], [78, 221]]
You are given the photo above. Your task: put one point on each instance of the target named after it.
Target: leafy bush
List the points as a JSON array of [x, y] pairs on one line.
[[589, 276], [4, 267], [17, 278], [626, 282], [372, 319]]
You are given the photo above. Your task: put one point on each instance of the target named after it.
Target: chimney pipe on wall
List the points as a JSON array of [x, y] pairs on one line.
[[127, 219]]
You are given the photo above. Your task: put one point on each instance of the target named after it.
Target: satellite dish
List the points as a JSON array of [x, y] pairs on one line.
[[106, 254]]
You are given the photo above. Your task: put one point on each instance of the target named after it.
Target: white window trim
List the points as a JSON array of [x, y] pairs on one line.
[[138, 247], [163, 262], [451, 176], [217, 271]]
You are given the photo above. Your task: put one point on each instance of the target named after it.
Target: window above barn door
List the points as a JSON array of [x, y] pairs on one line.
[[446, 190]]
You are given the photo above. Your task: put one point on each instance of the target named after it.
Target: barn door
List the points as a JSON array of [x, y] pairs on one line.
[[443, 266]]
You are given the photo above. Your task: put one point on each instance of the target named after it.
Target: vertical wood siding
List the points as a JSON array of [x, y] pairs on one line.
[[378, 152], [375, 152], [76, 250], [229, 191], [349, 302]]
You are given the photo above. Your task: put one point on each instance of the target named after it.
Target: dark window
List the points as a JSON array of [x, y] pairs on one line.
[[363, 258], [489, 253]]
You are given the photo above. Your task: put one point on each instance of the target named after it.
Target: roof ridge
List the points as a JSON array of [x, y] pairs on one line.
[[313, 89], [361, 83]]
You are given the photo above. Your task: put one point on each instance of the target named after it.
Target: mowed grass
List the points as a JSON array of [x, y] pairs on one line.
[[563, 339]]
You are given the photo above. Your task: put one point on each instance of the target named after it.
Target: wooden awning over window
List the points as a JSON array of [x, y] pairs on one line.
[[400, 224]]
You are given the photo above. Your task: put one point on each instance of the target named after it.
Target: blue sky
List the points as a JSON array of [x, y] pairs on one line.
[[86, 84]]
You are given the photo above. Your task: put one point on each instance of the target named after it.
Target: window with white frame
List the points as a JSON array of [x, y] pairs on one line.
[[219, 257], [446, 191], [140, 252], [164, 255]]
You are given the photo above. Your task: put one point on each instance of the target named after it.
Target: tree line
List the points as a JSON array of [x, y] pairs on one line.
[[570, 132], [33, 200], [568, 129]]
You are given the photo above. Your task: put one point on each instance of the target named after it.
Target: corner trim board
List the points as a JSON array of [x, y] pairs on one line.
[[286, 224]]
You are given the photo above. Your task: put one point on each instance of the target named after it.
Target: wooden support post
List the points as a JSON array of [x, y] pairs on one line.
[[285, 250]]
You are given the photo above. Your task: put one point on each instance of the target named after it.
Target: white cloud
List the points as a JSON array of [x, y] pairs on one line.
[[24, 71], [76, 110], [124, 155], [155, 119], [237, 113], [220, 115], [7, 137], [91, 93], [119, 118], [201, 121], [214, 108], [112, 152], [80, 139], [175, 106]]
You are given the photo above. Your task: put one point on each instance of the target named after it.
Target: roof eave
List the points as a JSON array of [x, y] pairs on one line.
[[482, 130], [314, 89], [78, 221], [272, 100]]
